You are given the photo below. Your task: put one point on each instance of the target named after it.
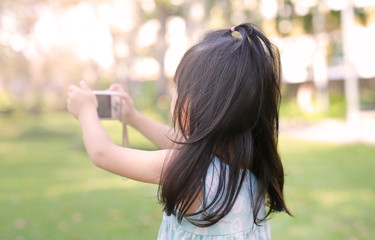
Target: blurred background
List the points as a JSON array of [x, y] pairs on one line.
[[48, 187]]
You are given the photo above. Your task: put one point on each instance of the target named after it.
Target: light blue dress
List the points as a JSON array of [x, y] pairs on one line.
[[237, 224]]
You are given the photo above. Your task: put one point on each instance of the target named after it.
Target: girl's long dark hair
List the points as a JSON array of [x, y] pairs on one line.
[[227, 106]]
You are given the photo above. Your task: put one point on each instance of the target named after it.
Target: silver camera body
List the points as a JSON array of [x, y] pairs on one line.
[[109, 105]]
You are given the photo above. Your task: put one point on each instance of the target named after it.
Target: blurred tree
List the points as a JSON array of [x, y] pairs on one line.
[[351, 78], [162, 12], [16, 23], [36, 63], [319, 63]]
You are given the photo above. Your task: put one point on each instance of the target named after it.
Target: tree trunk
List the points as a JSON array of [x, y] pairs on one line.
[[161, 47]]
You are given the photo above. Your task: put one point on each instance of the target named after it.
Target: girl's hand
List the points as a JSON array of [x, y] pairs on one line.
[[81, 100], [128, 110]]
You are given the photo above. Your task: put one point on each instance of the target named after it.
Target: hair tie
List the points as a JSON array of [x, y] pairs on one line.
[[233, 29]]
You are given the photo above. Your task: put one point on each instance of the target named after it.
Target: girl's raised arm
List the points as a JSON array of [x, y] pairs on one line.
[[160, 134], [145, 166]]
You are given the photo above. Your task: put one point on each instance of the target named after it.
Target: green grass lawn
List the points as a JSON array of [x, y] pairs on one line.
[[49, 189]]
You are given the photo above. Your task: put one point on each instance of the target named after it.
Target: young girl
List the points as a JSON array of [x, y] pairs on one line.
[[219, 166]]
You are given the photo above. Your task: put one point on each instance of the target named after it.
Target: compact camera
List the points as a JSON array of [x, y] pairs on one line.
[[109, 105]]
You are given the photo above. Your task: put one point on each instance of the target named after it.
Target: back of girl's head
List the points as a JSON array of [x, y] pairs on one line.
[[227, 105], [225, 82]]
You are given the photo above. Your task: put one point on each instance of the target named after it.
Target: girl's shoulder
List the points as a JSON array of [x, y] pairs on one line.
[[218, 167]]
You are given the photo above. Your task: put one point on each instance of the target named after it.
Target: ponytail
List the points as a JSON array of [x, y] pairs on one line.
[[268, 168]]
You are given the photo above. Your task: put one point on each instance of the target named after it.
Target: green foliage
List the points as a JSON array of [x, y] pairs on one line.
[[51, 190], [337, 108], [145, 95], [5, 102], [367, 98]]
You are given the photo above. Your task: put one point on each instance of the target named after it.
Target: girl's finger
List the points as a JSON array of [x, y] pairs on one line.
[[84, 86], [123, 95], [116, 87], [71, 89]]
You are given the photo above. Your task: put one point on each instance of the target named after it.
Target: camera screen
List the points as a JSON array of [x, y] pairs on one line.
[[104, 106]]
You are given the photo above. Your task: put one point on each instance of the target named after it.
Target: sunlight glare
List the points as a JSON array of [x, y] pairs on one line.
[[145, 68], [176, 37], [148, 33], [46, 29], [337, 5], [360, 53], [148, 5], [17, 43], [296, 56], [269, 8], [197, 11], [124, 15], [87, 35]]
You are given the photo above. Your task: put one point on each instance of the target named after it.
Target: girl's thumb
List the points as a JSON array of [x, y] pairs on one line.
[[122, 95], [84, 86]]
